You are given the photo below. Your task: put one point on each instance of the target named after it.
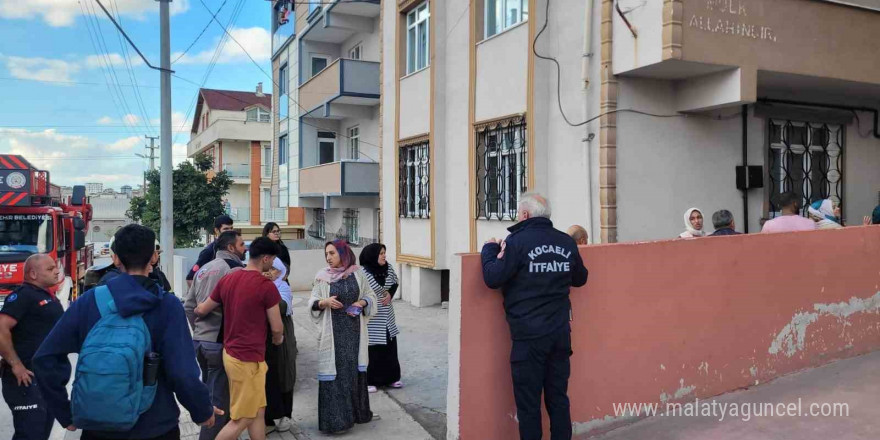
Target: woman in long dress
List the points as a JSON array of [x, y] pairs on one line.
[[341, 304], [384, 368]]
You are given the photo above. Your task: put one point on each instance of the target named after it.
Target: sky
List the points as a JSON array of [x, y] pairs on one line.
[[78, 102]]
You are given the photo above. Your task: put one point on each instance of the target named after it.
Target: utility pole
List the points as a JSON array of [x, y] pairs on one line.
[[165, 180], [152, 149]]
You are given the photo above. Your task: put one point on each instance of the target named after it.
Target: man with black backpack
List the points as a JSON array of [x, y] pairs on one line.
[[135, 355]]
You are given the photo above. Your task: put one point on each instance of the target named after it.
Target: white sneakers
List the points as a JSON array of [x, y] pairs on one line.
[[284, 424]]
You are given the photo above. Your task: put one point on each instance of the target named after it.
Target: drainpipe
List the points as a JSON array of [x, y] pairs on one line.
[[586, 59], [745, 145]]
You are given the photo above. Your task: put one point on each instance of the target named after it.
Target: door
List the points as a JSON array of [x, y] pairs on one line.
[[326, 147]]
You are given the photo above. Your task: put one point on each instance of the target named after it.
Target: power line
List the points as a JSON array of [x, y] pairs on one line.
[[93, 39], [220, 44], [207, 25], [85, 83], [137, 93]]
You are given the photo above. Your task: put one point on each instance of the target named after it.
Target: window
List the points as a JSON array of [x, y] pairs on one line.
[[283, 25], [258, 114], [354, 137], [283, 80], [805, 158], [355, 52], [282, 150], [267, 161], [504, 14], [414, 190], [502, 175], [319, 63], [326, 147], [350, 226], [417, 33], [283, 85], [317, 228]]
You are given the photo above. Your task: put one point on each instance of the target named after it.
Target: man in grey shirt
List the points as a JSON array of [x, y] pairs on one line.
[[208, 330]]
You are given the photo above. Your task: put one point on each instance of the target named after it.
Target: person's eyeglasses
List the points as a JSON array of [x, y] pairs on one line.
[[275, 232]]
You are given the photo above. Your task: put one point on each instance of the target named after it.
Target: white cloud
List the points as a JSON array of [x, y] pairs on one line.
[[58, 13], [127, 145], [74, 160], [105, 120], [255, 40], [114, 59], [131, 119], [41, 69]]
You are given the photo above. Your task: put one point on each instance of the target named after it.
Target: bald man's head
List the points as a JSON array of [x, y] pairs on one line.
[[41, 271], [579, 234]]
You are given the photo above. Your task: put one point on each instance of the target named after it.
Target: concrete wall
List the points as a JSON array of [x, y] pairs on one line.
[[415, 104], [415, 237], [501, 74], [369, 42], [648, 328]]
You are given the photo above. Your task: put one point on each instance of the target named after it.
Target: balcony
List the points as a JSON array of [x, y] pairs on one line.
[[240, 214], [238, 172], [343, 89], [342, 19], [273, 215], [229, 129], [725, 53], [345, 178]]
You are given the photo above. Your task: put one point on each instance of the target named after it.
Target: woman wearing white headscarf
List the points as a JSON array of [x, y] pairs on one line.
[[693, 224], [825, 214], [281, 359]]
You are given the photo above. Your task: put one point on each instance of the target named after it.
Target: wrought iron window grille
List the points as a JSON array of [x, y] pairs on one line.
[[502, 167], [350, 223], [316, 230], [805, 158], [414, 191]]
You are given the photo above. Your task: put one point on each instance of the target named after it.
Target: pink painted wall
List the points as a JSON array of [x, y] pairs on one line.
[[662, 317]]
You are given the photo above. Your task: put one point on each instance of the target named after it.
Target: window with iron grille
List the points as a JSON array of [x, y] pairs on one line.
[[502, 168], [350, 226], [805, 158], [317, 228], [414, 179]]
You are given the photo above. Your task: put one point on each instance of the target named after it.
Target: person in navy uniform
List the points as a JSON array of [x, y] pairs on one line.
[[27, 317], [535, 268]]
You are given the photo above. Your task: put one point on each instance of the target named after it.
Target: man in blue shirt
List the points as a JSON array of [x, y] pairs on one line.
[[535, 268], [133, 293]]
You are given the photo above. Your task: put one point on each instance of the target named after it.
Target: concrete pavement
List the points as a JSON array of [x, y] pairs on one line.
[[854, 382]]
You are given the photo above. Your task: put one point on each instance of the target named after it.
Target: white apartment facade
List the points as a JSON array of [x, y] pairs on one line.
[[473, 118], [326, 70], [235, 129]]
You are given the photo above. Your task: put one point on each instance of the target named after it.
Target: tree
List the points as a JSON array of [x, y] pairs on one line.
[[197, 200]]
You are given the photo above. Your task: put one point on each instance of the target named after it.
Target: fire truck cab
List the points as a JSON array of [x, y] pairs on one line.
[[35, 219]]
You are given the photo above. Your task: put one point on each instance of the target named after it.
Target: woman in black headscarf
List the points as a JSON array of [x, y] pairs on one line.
[[384, 367]]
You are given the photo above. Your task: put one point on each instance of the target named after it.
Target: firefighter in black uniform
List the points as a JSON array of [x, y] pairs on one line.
[[535, 267], [27, 317]]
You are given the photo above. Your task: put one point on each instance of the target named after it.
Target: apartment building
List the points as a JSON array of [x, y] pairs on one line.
[[326, 70], [235, 129], [715, 104]]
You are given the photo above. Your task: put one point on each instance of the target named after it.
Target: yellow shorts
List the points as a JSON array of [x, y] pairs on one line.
[[247, 387]]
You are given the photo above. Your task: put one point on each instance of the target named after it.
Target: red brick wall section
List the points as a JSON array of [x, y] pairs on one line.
[[686, 318], [256, 173]]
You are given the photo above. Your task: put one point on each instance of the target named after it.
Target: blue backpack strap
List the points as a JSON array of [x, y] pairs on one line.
[[104, 300]]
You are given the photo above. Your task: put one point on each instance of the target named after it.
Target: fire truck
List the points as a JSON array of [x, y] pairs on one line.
[[35, 219]]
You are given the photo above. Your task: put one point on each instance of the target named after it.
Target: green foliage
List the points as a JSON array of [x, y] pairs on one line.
[[197, 201]]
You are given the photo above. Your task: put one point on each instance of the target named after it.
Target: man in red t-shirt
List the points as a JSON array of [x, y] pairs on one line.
[[250, 301]]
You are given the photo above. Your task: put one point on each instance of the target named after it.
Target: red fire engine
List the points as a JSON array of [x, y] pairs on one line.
[[34, 219]]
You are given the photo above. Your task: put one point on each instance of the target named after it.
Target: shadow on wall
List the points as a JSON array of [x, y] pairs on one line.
[[676, 320]]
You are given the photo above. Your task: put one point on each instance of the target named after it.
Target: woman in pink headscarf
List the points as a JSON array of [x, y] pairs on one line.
[[342, 302]]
